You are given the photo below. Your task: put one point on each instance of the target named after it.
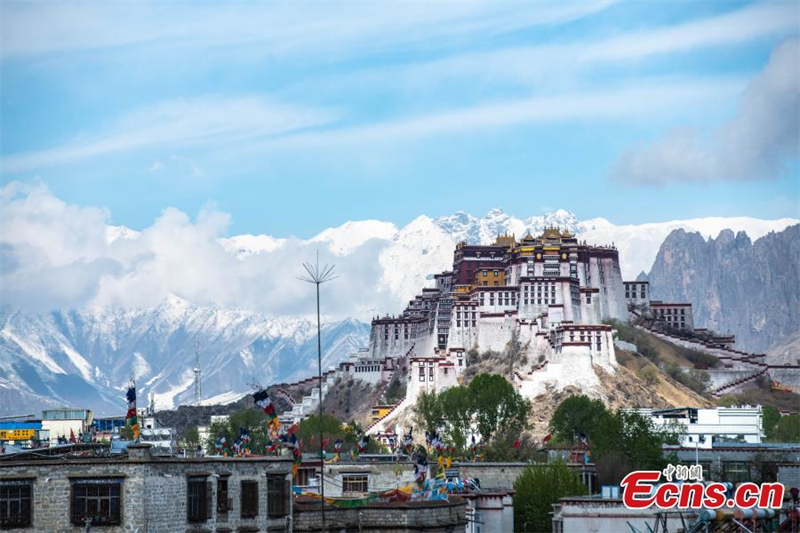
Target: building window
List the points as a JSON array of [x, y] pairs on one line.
[[278, 492], [355, 483], [249, 499], [223, 506], [15, 504], [97, 501], [735, 472], [197, 496]]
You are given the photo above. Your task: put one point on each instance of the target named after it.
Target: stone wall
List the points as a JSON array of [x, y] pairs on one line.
[[430, 516], [154, 490]]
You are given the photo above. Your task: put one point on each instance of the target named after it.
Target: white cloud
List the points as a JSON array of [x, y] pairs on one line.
[[183, 122], [560, 64], [754, 144], [57, 255], [268, 28], [641, 101]]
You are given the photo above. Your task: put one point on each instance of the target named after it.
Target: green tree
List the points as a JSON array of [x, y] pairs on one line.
[[191, 438], [251, 419], [428, 412], [457, 409], [537, 489], [497, 405], [788, 429], [630, 439], [771, 417], [576, 415], [308, 432]]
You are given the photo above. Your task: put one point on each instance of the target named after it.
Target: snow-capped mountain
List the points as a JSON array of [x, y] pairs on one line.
[[238, 297], [86, 357]]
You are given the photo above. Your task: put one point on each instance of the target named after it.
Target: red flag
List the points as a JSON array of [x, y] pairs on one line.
[[548, 438], [517, 444], [72, 436]]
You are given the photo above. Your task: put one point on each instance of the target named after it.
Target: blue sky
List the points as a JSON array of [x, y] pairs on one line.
[[297, 116]]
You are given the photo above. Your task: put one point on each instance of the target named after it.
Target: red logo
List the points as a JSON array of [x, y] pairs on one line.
[[641, 491]]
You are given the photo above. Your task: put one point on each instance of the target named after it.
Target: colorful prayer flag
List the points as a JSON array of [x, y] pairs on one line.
[[132, 417], [262, 399]]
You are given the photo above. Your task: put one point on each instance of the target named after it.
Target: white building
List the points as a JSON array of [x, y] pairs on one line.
[[608, 515], [66, 422], [706, 427]]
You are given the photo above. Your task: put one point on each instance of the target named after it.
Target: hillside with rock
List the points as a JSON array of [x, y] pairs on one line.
[[734, 284]]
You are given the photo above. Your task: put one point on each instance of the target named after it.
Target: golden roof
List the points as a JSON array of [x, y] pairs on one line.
[[506, 240]]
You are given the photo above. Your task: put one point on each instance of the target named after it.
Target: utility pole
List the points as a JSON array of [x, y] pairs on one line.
[[197, 371], [318, 276]]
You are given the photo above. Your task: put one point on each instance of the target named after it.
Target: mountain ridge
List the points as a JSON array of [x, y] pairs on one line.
[[735, 284]]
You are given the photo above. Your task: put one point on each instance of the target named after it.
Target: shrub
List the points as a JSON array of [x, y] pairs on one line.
[[648, 374], [537, 489]]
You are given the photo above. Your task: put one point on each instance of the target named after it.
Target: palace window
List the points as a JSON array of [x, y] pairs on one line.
[[198, 494], [96, 501], [278, 492], [249, 499], [15, 503], [357, 483]]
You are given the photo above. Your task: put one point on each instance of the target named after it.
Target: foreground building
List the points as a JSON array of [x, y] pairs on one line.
[[145, 493], [707, 428]]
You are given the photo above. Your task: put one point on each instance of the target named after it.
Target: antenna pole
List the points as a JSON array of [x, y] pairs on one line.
[[318, 276]]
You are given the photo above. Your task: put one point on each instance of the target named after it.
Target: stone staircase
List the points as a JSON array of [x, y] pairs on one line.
[[309, 404], [728, 387]]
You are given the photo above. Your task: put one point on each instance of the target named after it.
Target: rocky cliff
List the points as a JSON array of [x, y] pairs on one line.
[[736, 286]]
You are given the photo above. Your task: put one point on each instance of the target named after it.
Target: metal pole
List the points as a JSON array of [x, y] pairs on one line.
[[319, 421], [319, 276]]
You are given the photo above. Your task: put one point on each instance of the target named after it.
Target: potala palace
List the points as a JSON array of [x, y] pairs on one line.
[[551, 291], [551, 294]]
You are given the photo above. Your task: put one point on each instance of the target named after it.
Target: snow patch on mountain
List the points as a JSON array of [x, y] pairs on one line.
[[350, 235], [71, 356], [242, 246]]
